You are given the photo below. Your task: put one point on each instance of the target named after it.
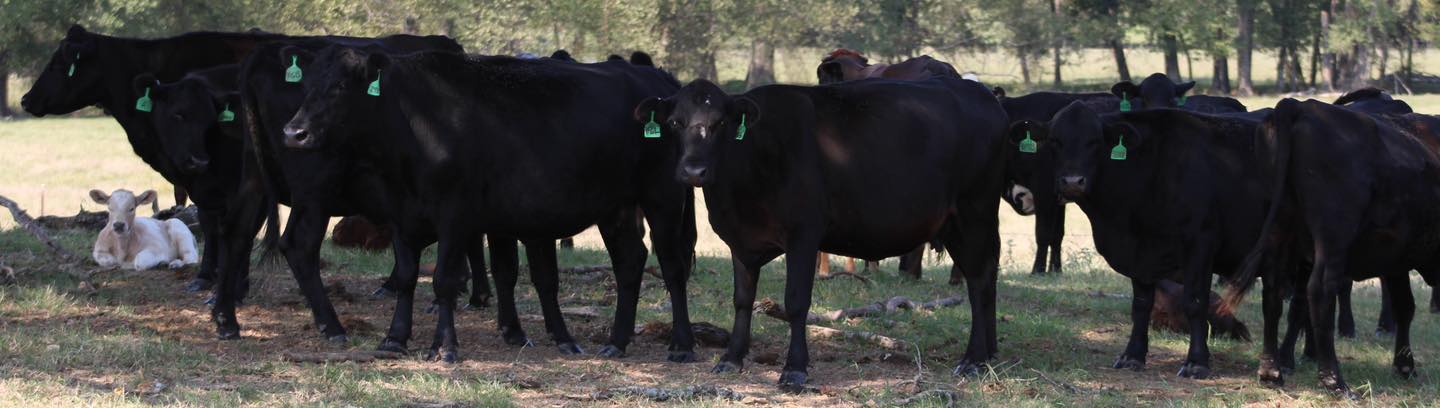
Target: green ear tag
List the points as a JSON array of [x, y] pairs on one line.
[[1181, 100], [375, 86], [1028, 145], [652, 129], [226, 115], [1119, 152], [72, 66], [740, 133], [293, 74], [1124, 102], [144, 104]]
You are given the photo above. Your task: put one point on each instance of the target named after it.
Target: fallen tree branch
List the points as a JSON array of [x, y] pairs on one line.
[[771, 308], [662, 394], [338, 356], [948, 396], [35, 229], [850, 274], [821, 332]]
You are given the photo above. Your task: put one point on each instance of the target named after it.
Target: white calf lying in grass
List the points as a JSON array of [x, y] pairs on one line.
[[141, 243]]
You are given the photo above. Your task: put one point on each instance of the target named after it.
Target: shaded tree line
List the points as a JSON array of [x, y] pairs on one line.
[[1321, 44]]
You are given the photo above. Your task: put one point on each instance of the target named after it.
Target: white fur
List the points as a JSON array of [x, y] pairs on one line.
[[1027, 198], [145, 243]]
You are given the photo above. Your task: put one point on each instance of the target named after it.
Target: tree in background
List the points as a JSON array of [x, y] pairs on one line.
[[1106, 22], [28, 33]]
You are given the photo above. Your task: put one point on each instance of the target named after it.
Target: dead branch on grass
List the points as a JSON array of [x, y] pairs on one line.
[[662, 394], [771, 308], [35, 229], [850, 274], [821, 332], [338, 356], [948, 396]]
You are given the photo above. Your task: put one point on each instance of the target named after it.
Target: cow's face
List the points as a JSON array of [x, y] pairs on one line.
[[336, 83], [1156, 91], [701, 116], [1080, 141], [122, 204], [840, 69], [1029, 145], [183, 114], [71, 80]]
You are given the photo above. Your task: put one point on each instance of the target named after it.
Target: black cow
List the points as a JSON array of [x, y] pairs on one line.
[[92, 69], [796, 170], [1359, 192], [317, 186], [1032, 174], [1170, 194], [535, 149], [1159, 91]]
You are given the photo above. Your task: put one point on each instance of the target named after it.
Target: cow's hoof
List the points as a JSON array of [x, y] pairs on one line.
[[430, 309], [1194, 371], [338, 340], [1405, 366], [382, 293], [681, 357], [474, 304], [1332, 382], [570, 349], [446, 355], [792, 380], [226, 333], [393, 346], [1270, 374], [516, 337], [198, 285], [726, 367], [968, 368], [1129, 363], [610, 351]]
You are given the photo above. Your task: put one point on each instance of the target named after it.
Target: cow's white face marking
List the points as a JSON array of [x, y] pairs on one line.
[[1026, 198], [702, 132]]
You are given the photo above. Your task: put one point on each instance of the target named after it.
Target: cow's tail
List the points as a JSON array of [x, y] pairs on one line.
[[1276, 129], [269, 244]]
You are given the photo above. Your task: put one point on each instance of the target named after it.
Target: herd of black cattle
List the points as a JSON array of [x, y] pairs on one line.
[[459, 149]]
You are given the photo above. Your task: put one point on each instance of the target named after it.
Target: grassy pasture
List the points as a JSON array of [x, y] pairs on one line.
[[136, 339]]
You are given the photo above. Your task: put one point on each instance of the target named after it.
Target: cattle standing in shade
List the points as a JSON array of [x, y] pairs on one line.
[[1165, 191], [91, 69], [795, 170], [1158, 91], [1360, 191], [536, 149]]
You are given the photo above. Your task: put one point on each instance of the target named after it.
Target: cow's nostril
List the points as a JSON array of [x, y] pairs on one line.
[[120, 226], [695, 171]]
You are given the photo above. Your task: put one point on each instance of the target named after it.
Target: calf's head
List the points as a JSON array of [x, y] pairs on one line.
[[183, 113], [841, 65], [1156, 91], [122, 204], [703, 117], [71, 80], [342, 89], [1082, 142], [1029, 150]]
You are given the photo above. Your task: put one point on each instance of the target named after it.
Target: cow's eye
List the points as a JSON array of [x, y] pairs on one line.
[[721, 123], [179, 117], [675, 124]]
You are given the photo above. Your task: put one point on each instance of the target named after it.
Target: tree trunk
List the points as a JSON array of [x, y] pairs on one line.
[[1058, 63], [1172, 57], [1059, 42], [1280, 83], [1221, 80], [1296, 76], [1118, 49], [412, 25], [707, 69], [5, 111], [1314, 59], [762, 64], [1245, 43], [1024, 65], [1327, 14]]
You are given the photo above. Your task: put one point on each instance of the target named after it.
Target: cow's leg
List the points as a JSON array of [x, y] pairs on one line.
[[747, 276], [567, 243], [1042, 250], [545, 275], [1324, 287], [237, 231], [480, 280], [976, 255], [505, 265], [1199, 255], [389, 287], [1057, 237], [912, 264], [1274, 308], [1345, 324], [1403, 303], [672, 231], [799, 284], [1386, 324], [301, 246], [210, 226], [1297, 324], [449, 280], [404, 276], [1141, 304], [180, 196], [623, 236]]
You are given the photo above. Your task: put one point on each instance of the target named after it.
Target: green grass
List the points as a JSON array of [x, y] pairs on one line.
[[63, 345]]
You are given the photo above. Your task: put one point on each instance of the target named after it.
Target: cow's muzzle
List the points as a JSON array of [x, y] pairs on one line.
[[298, 137], [692, 174], [196, 165], [119, 227], [1073, 187]]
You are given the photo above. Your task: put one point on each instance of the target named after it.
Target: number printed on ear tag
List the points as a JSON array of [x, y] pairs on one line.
[[652, 129], [1119, 152]]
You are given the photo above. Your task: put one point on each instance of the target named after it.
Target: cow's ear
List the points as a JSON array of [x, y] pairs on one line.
[[746, 110], [656, 106], [1037, 132], [1124, 137], [1125, 90], [830, 72], [1181, 89], [99, 196], [145, 198], [143, 81]]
